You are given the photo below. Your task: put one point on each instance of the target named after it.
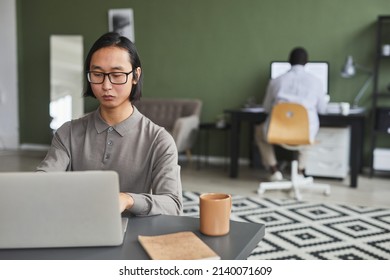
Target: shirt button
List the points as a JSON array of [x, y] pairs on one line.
[[109, 142], [107, 157], [110, 129]]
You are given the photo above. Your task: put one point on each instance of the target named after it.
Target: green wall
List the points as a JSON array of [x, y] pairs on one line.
[[215, 50]]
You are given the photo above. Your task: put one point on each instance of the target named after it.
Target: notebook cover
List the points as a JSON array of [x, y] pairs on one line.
[[184, 245]]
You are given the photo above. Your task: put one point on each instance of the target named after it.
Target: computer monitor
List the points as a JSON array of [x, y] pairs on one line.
[[320, 69]]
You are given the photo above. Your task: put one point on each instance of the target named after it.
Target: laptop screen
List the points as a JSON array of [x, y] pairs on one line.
[[60, 209]]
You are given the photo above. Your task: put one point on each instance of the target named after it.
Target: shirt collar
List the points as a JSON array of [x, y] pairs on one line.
[[297, 67], [122, 128]]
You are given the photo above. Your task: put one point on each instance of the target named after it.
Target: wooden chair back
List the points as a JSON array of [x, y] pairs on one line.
[[289, 125]]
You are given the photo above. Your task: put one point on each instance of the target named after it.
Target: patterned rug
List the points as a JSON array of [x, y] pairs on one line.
[[308, 231]]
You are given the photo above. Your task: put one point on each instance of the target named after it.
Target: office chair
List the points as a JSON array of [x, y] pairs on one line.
[[289, 128]]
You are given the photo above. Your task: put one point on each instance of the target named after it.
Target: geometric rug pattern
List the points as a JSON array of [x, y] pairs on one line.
[[309, 231]]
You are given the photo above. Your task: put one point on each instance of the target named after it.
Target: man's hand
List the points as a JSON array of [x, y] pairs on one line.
[[125, 201]]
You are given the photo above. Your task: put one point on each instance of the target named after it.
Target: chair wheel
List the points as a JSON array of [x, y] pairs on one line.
[[260, 191]]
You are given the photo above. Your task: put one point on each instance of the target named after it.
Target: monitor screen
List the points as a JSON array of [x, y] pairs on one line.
[[320, 69]]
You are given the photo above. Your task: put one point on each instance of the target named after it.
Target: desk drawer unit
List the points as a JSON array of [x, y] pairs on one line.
[[329, 156]]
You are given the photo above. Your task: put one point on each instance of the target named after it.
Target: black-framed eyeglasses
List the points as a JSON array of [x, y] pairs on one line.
[[116, 78]]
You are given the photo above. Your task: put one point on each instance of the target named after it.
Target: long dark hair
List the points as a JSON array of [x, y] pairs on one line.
[[115, 39]]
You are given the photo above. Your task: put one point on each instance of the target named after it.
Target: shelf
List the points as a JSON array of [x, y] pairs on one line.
[[380, 126], [383, 57], [384, 18], [381, 159], [380, 132], [385, 95]]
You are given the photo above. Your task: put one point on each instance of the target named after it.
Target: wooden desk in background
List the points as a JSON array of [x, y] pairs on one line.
[[254, 116]]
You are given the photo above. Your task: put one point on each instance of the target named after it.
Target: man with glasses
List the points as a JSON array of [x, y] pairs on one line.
[[117, 136]]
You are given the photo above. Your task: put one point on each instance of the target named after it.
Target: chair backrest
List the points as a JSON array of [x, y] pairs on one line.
[[289, 125], [165, 111]]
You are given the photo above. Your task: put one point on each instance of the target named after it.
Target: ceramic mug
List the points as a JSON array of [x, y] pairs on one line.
[[386, 50], [344, 108], [214, 212]]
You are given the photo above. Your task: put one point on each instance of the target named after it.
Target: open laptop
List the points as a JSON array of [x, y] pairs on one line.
[[60, 209]]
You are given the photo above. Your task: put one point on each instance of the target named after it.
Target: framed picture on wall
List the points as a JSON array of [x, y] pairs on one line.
[[122, 21]]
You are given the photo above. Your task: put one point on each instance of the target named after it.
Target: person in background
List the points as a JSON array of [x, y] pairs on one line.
[[117, 136], [295, 86]]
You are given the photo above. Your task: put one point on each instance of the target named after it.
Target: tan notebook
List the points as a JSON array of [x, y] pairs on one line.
[[177, 246]]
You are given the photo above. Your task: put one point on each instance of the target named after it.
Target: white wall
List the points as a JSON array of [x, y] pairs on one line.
[[9, 117]]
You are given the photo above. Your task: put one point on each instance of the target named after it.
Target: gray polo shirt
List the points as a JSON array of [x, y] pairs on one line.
[[141, 152]]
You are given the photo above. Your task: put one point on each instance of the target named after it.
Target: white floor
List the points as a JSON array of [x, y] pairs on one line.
[[373, 191]]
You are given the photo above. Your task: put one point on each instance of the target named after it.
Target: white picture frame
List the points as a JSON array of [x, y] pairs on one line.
[[122, 21]]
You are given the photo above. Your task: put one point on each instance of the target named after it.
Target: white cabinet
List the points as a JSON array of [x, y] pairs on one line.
[[381, 159], [329, 155]]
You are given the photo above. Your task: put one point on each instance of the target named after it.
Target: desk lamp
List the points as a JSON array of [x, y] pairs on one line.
[[349, 70]]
